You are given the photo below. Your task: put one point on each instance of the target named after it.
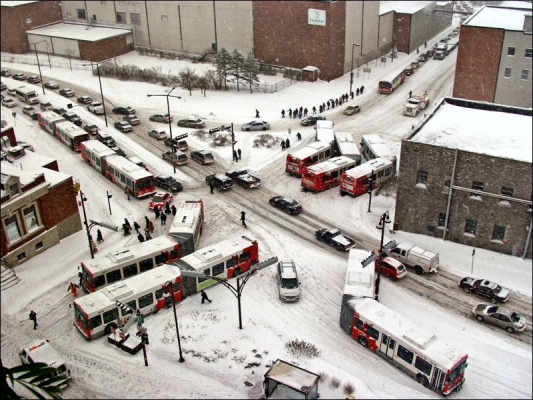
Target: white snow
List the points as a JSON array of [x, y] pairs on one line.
[[500, 18]]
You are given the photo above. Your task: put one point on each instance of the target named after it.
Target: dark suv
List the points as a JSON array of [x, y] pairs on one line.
[[169, 183], [72, 117], [219, 181], [105, 138]]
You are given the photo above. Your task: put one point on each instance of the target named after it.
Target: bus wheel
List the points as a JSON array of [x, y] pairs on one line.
[[419, 270], [168, 303], [108, 328], [363, 341], [422, 380], [343, 193]]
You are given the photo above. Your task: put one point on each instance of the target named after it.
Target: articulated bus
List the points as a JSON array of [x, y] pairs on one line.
[[187, 225], [70, 135], [405, 344], [327, 174], [374, 147], [223, 260], [347, 146], [127, 174], [121, 264], [314, 153], [391, 82], [97, 313], [27, 95], [48, 121], [94, 152], [355, 181]]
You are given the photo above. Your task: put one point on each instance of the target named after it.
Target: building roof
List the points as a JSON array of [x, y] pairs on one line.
[[509, 19], [79, 32], [27, 169], [516, 4], [478, 127], [16, 3], [402, 7]]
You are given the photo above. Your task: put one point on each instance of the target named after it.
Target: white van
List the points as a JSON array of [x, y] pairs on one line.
[[42, 351], [289, 286]]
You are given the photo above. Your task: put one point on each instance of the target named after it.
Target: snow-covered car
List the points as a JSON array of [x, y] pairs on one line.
[[91, 128], [351, 110], [85, 100], [66, 92], [160, 118], [191, 123], [256, 125], [44, 106], [484, 288], [335, 238], [105, 138], [499, 316], [51, 85], [5, 72], [19, 77], [9, 103], [123, 126], [132, 119], [159, 135], [160, 200], [96, 108], [34, 79], [12, 91], [72, 117], [290, 206], [29, 110]]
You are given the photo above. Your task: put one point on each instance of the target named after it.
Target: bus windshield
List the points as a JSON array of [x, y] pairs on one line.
[[80, 317]]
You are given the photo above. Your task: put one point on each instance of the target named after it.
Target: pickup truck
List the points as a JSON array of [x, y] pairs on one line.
[[244, 179], [219, 181], [335, 238], [96, 107], [423, 261]]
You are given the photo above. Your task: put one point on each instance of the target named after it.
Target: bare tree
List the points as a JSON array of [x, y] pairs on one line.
[[188, 79]]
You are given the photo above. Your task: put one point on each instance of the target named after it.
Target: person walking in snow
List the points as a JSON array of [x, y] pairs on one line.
[[204, 297], [167, 208], [361, 90], [282, 113], [127, 223], [136, 226], [287, 143], [235, 156], [126, 229], [243, 219], [33, 317], [283, 145], [147, 222], [299, 136], [314, 110], [147, 234], [156, 211], [256, 113], [290, 112], [305, 112], [163, 219], [151, 226], [99, 237], [140, 237]]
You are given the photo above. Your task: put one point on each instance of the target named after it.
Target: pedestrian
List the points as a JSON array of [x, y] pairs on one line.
[[93, 246], [351, 94], [305, 112], [362, 88], [128, 192], [301, 109], [147, 221], [282, 113], [410, 93], [163, 219], [99, 237], [127, 223], [211, 185], [295, 113], [346, 97], [417, 52], [243, 219], [144, 337], [156, 211], [256, 113], [282, 144], [239, 153], [173, 209], [323, 106], [314, 110], [80, 278], [136, 226], [235, 156], [151, 226], [204, 297], [290, 112], [33, 317], [125, 229], [300, 115], [73, 288], [287, 143], [140, 237], [147, 234], [299, 136], [140, 320], [167, 208]]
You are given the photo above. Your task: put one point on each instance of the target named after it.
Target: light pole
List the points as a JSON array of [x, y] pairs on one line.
[[39, 65], [169, 117], [383, 219], [171, 291], [101, 91], [87, 228], [351, 70]]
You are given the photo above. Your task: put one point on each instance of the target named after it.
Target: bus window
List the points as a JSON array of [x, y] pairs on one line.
[[113, 276], [159, 293], [372, 332], [245, 256], [231, 262], [218, 269], [161, 258], [130, 270], [174, 253], [131, 304], [96, 321], [146, 264], [111, 315], [99, 281], [146, 300], [359, 324]]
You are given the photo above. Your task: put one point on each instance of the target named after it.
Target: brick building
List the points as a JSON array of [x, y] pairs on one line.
[[464, 169], [494, 57]]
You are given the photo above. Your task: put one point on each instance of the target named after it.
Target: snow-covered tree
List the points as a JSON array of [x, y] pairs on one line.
[[250, 70], [223, 62], [237, 67]]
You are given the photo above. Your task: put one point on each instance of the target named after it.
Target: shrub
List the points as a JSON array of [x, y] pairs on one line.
[[348, 388], [299, 347], [334, 382]]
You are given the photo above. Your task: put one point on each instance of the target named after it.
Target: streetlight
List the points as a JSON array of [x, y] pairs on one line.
[[383, 219], [171, 291], [100, 82], [351, 71], [87, 228], [169, 119], [39, 65]]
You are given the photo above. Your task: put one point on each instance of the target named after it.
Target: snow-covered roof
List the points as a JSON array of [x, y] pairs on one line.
[[404, 7], [515, 4], [499, 133], [292, 376], [79, 32], [28, 169], [510, 19], [16, 3]]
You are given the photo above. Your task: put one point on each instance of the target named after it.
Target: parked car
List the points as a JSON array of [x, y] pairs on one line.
[[5, 72], [29, 110], [19, 77], [46, 106], [9, 103], [177, 158], [191, 123], [66, 92], [160, 200], [161, 118], [119, 151], [202, 156], [85, 100], [351, 110], [132, 119], [169, 183], [51, 85], [499, 316], [484, 288], [311, 120], [393, 269], [159, 135], [106, 139], [256, 125], [72, 117], [288, 283], [34, 79], [92, 129], [123, 110], [12, 91], [123, 126], [286, 204]]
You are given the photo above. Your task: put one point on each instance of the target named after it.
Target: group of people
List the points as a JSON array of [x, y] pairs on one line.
[[237, 155], [285, 144]]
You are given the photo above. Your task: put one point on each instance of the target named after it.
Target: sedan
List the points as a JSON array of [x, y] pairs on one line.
[[159, 135], [484, 288], [499, 316], [311, 120], [256, 126], [191, 123], [66, 92], [5, 72], [160, 200], [132, 119], [51, 85], [123, 110], [351, 110], [29, 110], [161, 118], [167, 182], [19, 77], [286, 204], [92, 129], [8, 103], [85, 100], [123, 126]]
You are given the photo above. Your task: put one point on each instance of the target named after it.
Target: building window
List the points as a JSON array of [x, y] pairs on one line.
[[14, 189], [81, 13], [510, 51], [135, 18], [477, 185], [528, 53], [422, 178], [525, 74], [470, 227], [30, 218], [507, 73], [498, 233], [164, 18], [12, 229], [39, 246], [121, 17], [507, 191], [442, 220], [21, 256]]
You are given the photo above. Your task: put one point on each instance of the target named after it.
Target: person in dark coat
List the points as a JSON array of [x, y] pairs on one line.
[[151, 226], [156, 211], [314, 110], [33, 317], [362, 88], [256, 113], [163, 219], [283, 145], [136, 226], [126, 229], [243, 219], [282, 113], [235, 156], [357, 92], [147, 221], [410, 93], [167, 208], [239, 153], [204, 297], [351, 95], [99, 237], [147, 234], [140, 237], [290, 113], [173, 208], [211, 186], [299, 136], [127, 223], [305, 112], [287, 143]]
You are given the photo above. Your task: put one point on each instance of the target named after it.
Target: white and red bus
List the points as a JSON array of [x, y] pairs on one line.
[[94, 152], [97, 313], [403, 343], [355, 181], [224, 260], [187, 225], [391, 81], [347, 146], [70, 135], [373, 146], [327, 174], [127, 174], [106, 269], [48, 120], [302, 158]]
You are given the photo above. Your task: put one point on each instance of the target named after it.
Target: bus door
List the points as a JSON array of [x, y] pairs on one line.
[[437, 378], [387, 346]]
